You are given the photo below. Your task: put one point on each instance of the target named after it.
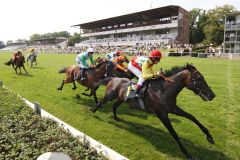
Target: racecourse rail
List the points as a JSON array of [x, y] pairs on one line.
[[109, 153]]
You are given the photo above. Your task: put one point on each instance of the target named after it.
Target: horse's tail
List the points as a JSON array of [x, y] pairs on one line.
[[8, 63], [63, 70]]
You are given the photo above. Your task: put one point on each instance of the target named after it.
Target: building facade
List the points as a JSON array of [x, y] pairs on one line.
[[169, 24], [232, 34]]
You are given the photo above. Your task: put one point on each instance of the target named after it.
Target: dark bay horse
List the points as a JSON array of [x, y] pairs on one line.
[[32, 58], [18, 63], [160, 97], [93, 75]]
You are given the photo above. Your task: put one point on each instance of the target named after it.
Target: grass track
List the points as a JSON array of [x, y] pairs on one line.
[[141, 135]]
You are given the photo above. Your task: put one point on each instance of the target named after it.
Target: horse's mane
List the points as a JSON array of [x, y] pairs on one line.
[[176, 69], [172, 71], [100, 62]]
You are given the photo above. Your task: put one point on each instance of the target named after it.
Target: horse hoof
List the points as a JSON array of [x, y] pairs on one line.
[[117, 119], [59, 88], [92, 110], [78, 96], [210, 139], [74, 88]]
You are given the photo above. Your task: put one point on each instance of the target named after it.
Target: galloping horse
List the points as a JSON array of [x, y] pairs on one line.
[[93, 75], [32, 58], [17, 63], [115, 72], [160, 97]]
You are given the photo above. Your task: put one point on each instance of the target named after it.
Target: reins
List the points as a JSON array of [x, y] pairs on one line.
[[166, 78]]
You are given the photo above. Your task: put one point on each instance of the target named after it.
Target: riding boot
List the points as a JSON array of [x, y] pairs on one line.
[[83, 73], [138, 88], [108, 69]]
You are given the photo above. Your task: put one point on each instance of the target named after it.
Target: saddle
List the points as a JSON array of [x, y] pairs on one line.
[[78, 73], [130, 95], [130, 91]]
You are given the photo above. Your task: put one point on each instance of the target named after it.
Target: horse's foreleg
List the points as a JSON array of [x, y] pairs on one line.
[[24, 70], [74, 85], [94, 95], [178, 111], [165, 120], [91, 92], [107, 97], [60, 88]]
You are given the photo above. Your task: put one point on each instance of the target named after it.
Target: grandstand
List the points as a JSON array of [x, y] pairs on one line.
[[168, 25], [18, 45]]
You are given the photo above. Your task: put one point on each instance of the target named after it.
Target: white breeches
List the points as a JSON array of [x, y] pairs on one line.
[[137, 72], [80, 64]]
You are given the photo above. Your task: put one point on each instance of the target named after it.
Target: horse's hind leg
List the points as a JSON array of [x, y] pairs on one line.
[[60, 88], [115, 106], [165, 120], [178, 111]]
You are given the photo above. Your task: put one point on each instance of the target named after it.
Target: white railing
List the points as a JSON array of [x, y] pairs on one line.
[[109, 153]]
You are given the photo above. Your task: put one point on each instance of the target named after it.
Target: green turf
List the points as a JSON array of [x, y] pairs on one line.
[[141, 135]]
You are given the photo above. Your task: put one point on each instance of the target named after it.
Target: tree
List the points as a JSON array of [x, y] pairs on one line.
[[214, 28], [74, 39], [197, 22], [2, 45]]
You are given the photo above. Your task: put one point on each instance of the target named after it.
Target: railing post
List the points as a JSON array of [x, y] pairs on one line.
[[1, 83], [37, 108]]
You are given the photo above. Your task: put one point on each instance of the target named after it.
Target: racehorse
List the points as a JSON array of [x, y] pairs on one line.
[[160, 97], [32, 58], [93, 75], [115, 72], [18, 63]]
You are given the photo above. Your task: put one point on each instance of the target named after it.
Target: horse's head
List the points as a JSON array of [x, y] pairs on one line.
[[100, 61], [198, 85]]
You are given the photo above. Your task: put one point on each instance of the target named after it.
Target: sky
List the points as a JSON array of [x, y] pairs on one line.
[[19, 19]]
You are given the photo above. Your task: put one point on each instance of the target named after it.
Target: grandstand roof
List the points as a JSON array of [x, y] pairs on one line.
[[167, 10]]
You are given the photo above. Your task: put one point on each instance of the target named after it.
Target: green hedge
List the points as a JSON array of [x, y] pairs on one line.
[[25, 135]]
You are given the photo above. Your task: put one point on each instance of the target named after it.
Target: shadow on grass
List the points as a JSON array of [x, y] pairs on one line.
[[36, 67], [164, 142], [23, 74]]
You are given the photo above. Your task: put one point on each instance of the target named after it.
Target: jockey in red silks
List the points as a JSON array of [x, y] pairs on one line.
[[141, 66]]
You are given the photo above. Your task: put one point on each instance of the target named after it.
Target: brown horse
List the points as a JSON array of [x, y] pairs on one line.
[[18, 63], [113, 71], [93, 75], [160, 97]]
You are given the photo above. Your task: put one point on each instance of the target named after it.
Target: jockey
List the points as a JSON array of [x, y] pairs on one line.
[[32, 52], [81, 59], [141, 66], [112, 55], [118, 62], [16, 55]]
